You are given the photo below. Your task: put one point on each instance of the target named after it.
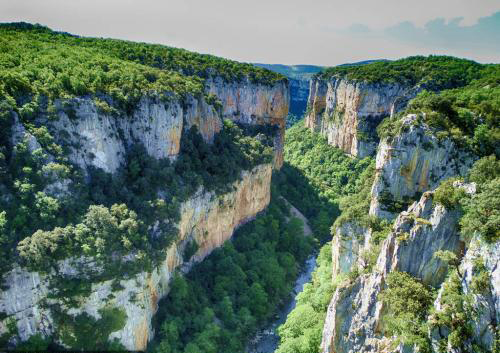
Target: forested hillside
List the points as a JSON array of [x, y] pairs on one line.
[[111, 155]]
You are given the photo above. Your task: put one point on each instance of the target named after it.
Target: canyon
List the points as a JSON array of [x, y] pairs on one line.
[[162, 202]]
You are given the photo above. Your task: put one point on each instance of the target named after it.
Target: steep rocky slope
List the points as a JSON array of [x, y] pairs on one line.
[[415, 251], [84, 146], [393, 251], [347, 112], [347, 103]]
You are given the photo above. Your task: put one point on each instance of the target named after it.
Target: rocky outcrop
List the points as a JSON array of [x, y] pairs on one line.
[[483, 303], [206, 218], [99, 139], [348, 242], [256, 104], [412, 162], [354, 320], [348, 112]]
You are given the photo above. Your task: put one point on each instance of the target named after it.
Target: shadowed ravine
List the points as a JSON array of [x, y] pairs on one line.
[[267, 340]]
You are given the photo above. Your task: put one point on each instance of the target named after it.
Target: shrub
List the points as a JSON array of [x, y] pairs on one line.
[[448, 195], [407, 301]]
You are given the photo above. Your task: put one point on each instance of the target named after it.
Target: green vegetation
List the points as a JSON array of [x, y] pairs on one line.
[[301, 333], [448, 195], [80, 332], [455, 314], [469, 115], [111, 215], [237, 288], [329, 169], [407, 301], [355, 207], [38, 61], [316, 176], [482, 213], [432, 72]]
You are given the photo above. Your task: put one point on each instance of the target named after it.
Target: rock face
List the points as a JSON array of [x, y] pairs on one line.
[[254, 104], [349, 241], [206, 218], [100, 139], [413, 162], [354, 320], [347, 112], [485, 304]]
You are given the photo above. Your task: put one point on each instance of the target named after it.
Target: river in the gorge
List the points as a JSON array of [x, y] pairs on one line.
[[267, 340]]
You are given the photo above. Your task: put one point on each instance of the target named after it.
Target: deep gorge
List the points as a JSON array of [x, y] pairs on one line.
[[147, 193]]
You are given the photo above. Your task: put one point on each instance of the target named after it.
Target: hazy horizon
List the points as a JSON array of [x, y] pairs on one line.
[[326, 33]]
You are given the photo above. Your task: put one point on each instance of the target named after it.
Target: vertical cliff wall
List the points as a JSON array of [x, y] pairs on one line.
[[412, 162], [347, 112], [255, 104]]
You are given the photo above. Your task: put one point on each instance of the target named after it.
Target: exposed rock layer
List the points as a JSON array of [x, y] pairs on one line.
[[347, 112], [354, 320]]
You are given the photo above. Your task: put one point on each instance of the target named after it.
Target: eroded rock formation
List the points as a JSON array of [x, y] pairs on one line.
[[348, 112]]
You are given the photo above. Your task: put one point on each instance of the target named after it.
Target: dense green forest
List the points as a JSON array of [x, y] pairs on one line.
[[432, 72]]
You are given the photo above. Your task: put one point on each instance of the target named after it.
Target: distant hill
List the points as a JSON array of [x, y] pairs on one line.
[[364, 62], [298, 72]]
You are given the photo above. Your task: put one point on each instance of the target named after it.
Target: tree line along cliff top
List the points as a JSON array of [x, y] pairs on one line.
[[432, 72], [36, 60]]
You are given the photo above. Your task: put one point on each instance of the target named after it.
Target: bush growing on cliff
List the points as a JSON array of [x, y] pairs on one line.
[[407, 301], [482, 213], [449, 195]]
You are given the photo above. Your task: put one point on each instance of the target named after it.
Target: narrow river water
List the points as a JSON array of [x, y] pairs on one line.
[[267, 340]]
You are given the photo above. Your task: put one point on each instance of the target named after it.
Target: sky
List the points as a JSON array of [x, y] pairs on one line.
[[316, 32]]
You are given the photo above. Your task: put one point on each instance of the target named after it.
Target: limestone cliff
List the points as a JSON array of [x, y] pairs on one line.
[[354, 320], [97, 135], [206, 218], [347, 112], [412, 162], [255, 104]]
